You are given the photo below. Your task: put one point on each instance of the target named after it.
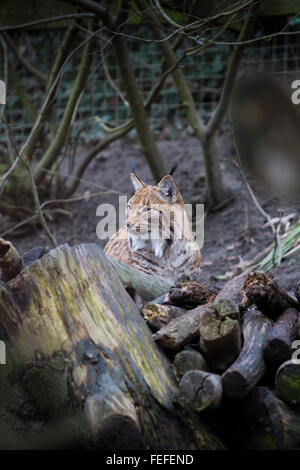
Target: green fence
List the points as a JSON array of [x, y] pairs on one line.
[[204, 72]]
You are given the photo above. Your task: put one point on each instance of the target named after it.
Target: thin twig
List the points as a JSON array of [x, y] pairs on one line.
[[109, 79], [47, 20], [55, 201], [14, 48], [254, 199], [38, 204]]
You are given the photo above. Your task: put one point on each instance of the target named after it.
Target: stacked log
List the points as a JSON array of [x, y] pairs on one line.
[[243, 336]]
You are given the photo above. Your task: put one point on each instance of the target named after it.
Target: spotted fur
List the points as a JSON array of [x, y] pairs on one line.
[[165, 247]]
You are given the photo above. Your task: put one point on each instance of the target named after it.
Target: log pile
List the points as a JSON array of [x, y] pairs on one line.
[[102, 356], [236, 345]]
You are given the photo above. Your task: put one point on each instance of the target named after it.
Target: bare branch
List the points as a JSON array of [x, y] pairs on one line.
[[95, 8], [109, 79], [229, 79], [30, 24], [13, 47], [57, 143], [38, 204]]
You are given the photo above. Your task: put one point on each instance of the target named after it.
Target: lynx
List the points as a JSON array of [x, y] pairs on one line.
[[157, 238]]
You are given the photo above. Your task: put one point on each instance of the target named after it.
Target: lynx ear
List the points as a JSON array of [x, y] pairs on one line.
[[168, 189], [137, 183]]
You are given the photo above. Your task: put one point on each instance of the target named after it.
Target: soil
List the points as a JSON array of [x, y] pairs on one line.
[[233, 235]]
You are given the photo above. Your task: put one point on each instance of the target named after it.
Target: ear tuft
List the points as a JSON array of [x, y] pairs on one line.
[[168, 189], [137, 183]]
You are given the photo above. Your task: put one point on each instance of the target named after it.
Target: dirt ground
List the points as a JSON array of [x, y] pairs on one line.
[[233, 235]]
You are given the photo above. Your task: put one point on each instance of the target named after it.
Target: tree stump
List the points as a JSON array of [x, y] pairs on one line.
[[79, 348]]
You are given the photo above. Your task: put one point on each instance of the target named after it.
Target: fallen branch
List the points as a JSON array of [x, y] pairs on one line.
[[190, 294], [149, 287], [261, 289], [249, 367]]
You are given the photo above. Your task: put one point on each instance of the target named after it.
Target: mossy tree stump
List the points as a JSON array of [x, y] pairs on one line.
[[78, 346]]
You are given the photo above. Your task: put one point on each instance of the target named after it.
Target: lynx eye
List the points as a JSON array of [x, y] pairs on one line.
[[146, 209]]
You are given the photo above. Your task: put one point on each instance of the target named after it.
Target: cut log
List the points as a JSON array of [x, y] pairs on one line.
[[159, 315], [188, 360], [249, 367], [185, 329], [181, 330], [288, 382], [200, 390], [277, 346], [149, 287], [220, 334], [190, 294], [271, 424], [79, 348], [261, 289], [233, 289], [11, 263]]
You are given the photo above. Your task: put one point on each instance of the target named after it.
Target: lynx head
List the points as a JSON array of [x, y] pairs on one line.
[[153, 213]]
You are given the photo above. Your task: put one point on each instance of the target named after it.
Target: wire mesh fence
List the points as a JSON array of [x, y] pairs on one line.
[[204, 73]]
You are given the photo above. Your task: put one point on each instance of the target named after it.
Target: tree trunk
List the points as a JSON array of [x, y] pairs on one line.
[[80, 350], [139, 114], [216, 192], [57, 143]]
